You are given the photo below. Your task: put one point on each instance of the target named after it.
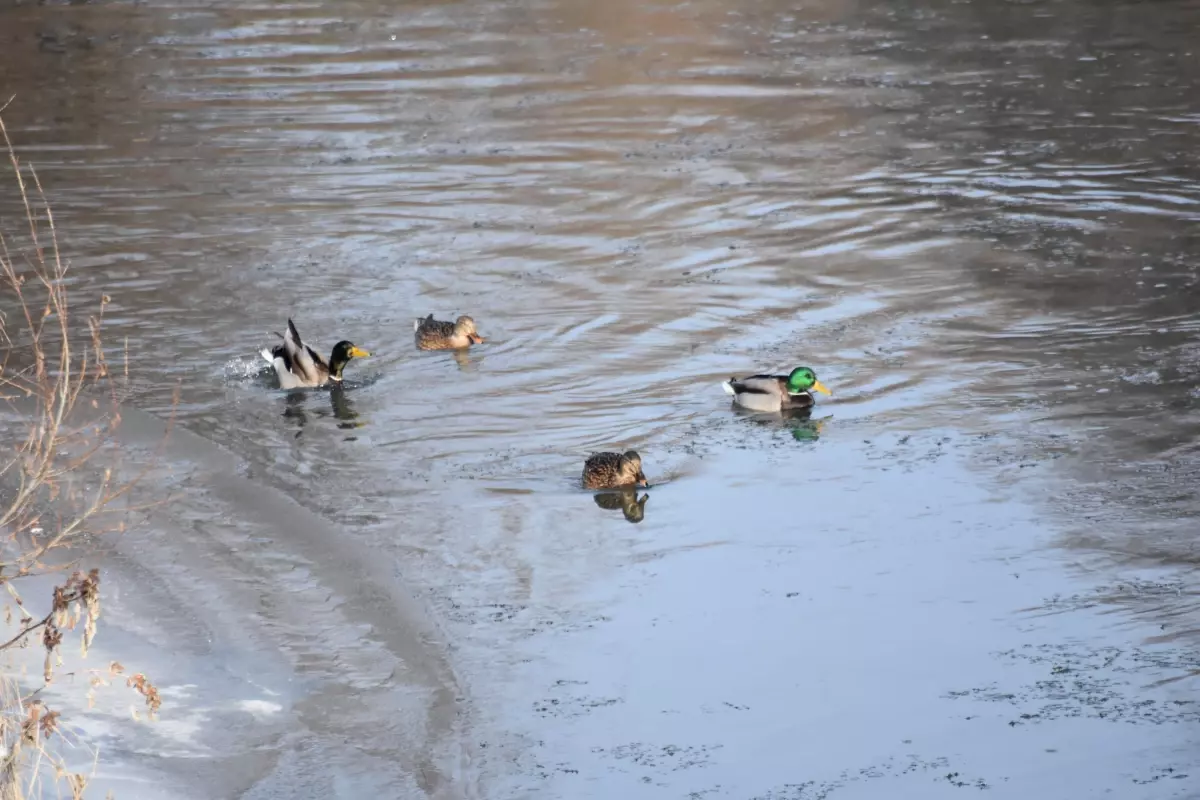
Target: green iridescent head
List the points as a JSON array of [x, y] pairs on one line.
[[803, 379]]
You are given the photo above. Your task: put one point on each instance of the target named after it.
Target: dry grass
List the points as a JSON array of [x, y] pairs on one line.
[[52, 368]]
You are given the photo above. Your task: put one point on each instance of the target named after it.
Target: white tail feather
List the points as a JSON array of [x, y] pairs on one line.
[[728, 387], [265, 353]]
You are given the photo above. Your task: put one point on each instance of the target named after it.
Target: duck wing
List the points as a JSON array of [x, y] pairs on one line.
[[301, 360], [279, 359], [598, 461], [758, 384], [321, 363], [435, 327]]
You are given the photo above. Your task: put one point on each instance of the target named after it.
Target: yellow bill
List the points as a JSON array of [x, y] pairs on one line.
[[357, 353], [820, 387]]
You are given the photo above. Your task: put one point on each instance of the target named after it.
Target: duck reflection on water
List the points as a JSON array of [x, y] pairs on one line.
[[798, 422], [625, 500], [341, 408], [805, 429]]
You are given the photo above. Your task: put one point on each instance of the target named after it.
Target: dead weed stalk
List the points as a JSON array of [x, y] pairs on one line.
[[53, 380]]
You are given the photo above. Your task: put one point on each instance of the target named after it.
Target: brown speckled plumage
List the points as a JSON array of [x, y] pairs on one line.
[[613, 470], [433, 334]]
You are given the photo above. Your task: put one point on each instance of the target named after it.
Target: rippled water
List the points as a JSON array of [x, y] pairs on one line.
[[975, 220]]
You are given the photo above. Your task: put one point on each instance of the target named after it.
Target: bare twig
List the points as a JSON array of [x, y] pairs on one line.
[[49, 366]]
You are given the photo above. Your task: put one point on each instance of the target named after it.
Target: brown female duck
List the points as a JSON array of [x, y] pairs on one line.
[[432, 334], [613, 470]]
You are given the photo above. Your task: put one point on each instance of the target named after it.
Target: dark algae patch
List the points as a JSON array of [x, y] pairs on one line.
[[1106, 683]]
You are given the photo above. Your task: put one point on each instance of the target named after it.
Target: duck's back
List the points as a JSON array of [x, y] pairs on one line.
[[432, 332], [601, 469]]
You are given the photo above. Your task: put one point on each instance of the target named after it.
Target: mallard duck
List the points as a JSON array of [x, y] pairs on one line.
[[613, 470], [775, 392], [433, 334], [298, 365]]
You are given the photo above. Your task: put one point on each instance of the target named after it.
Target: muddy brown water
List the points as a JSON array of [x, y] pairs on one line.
[[972, 570]]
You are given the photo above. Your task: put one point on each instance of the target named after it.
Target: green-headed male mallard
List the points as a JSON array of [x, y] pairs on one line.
[[613, 470], [298, 365], [775, 392], [433, 334]]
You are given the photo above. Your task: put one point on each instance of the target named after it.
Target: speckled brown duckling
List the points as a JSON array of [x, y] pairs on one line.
[[433, 334], [613, 470]]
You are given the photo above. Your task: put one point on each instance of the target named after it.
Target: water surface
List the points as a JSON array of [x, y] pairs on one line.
[[975, 220]]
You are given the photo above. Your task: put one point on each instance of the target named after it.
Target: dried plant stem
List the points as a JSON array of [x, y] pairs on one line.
[[48, 367]]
